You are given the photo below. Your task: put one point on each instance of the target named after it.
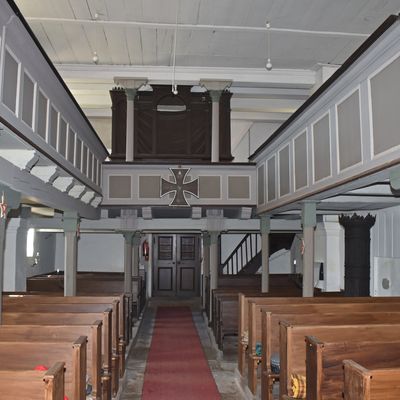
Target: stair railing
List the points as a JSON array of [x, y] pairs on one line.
[[244, 252]]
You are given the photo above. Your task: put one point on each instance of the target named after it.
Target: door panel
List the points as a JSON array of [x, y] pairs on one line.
[[176, 265], [164, 264], [188, 265]]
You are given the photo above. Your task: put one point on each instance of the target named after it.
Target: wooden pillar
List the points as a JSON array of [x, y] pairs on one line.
[[214, 264], [118, 124], [357, 254], [215, 97], [265, 229], [309, 221], [135, 252], [215, 89], [70, 225], [3, 222], [131, 87], [206, 267], [130, 123], [9, 199], [128, 237]]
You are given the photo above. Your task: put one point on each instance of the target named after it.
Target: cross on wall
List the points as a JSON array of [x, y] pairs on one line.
[[180, 187]]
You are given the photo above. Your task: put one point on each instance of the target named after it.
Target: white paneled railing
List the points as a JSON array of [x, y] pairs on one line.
[[349, 129], [37, 108]]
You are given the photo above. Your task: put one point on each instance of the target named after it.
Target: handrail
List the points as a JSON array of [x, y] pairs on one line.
[[242, 255]]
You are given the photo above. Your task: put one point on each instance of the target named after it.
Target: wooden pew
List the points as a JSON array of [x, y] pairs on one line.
[[22, 355], [328, 327], [35, 305], [255, 334], [370, 384], [125, 324], [33, 385], [110, 361], [225, 313], [262, 300], [324, 362], [101, 385], [91, 283]]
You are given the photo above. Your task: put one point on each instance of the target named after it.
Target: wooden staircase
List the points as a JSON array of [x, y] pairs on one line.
[[246, 258]]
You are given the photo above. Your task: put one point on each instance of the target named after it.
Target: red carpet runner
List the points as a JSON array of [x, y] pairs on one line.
[[176, 366]]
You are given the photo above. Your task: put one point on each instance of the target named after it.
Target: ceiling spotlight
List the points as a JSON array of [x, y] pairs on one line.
[[95, 57]]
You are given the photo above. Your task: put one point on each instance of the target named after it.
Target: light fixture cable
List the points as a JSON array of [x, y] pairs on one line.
[[174, 85], [268, 66]]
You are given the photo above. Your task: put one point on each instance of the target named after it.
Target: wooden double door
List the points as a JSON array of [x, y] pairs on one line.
[[176, 265]]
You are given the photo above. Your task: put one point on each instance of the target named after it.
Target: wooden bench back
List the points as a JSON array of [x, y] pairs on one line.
[[263, 300], [292, 337], [33, 385], [68, 319], [324, 362], [27, 355], [370, 384], [255, 310], [119, 306], [63, 333]]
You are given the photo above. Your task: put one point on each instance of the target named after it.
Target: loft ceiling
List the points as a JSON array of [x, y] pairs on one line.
[[216, 38]]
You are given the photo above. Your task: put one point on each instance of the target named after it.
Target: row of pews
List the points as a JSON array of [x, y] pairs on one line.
[[321, 347], [56, 348], [225, 302]]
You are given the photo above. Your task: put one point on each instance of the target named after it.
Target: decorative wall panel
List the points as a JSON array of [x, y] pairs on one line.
[[322, 149], [349, 131]]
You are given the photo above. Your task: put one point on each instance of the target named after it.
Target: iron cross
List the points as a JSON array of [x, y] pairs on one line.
[[180, 187]]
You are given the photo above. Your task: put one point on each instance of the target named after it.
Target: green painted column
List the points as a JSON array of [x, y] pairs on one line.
[[128, 240], [10, 200], [70, 226], [265, 229], [206, 265], [214, 264], [309, 222]]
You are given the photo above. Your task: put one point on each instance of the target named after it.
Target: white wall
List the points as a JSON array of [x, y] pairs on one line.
[[385, 252], [101, 252], [228, 244], [45, 246], [279, 262], [257, 134], [17, 266]]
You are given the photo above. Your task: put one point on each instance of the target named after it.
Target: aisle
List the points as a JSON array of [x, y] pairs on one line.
[[222, 371], [176, 365]]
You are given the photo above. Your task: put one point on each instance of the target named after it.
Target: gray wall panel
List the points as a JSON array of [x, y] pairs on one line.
[[300, 161], [271, 179], [322, 149], [284, 170], [349, 131], [385, 98]]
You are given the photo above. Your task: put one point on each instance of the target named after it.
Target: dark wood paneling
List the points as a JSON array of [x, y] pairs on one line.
[[118, 127], [225, 127]]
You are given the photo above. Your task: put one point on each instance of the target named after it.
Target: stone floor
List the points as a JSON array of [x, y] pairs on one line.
[[221, 367]]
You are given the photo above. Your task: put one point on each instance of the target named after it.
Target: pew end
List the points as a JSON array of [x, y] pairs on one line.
[[361, 383]]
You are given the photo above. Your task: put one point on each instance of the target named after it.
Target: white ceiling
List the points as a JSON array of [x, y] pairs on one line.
[[216, 38]]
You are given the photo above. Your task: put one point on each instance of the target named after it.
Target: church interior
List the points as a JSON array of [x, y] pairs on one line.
[[199, 199]]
